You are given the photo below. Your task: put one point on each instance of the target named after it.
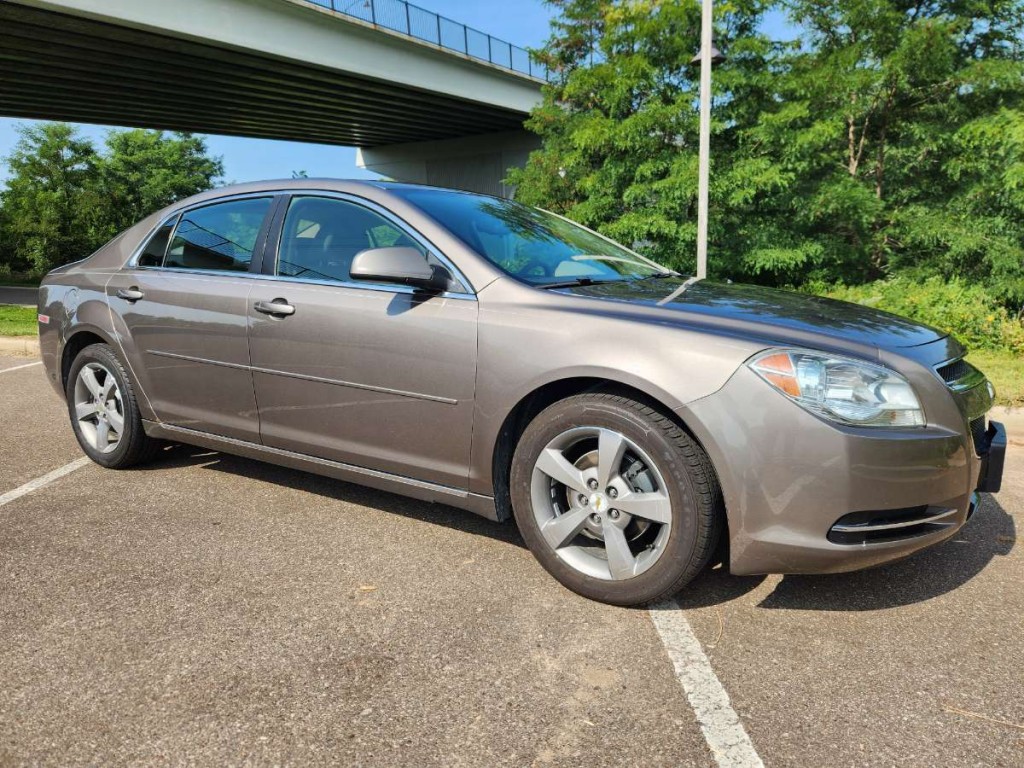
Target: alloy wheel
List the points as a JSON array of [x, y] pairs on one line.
[[99, 407], [601, 503]]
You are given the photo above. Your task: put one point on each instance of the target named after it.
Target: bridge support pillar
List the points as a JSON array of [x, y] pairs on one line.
[[474, 163]]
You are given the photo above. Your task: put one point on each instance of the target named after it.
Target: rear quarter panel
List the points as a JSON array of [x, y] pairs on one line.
[[75, 301]]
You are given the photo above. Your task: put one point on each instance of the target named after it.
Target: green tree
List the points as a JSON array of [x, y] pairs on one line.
[[888, 136], [619, 124], [897, 130], [48, 202], [143, 171]]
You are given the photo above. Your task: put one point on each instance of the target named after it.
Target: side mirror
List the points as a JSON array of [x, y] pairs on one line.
[[402, 265]]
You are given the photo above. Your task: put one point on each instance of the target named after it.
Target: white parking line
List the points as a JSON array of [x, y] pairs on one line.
[[41, 482], [19, 367], [719, 722]]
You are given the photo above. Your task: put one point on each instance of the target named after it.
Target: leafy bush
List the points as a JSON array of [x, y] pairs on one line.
[[970, 312]]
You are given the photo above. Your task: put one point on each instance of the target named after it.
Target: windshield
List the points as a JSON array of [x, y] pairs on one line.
[[530, 244]]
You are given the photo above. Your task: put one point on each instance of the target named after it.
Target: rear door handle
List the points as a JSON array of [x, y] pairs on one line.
[[275, 307], [130, 294]]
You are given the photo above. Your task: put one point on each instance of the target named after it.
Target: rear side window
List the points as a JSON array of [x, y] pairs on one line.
[[322, 236], [153, 254], [218, 237]]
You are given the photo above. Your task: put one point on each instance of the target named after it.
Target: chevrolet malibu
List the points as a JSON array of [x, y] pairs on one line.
[[480, 353]]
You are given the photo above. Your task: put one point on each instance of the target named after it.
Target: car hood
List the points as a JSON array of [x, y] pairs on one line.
[[752, 306]]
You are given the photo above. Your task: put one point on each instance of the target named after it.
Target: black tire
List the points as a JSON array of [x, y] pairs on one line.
[[134, 446], [696, 501]]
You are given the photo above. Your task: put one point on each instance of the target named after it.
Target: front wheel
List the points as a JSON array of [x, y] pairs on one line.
[[614, 499]]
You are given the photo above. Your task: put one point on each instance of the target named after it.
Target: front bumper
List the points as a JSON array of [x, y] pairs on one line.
[[790, 478]]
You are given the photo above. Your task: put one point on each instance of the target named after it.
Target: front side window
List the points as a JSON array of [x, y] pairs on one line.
[[218, 237], [322, 236], [532, 245]]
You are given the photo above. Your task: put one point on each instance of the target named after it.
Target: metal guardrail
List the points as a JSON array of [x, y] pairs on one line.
[[421, 24]]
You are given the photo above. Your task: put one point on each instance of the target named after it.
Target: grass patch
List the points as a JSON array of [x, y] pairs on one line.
[[1005, 370], [18, 321]]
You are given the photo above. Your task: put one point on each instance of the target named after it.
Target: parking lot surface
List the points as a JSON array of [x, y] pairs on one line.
[[213, 610]]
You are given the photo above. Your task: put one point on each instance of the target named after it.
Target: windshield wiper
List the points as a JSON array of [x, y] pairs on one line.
[[657, 276], [574, 283]]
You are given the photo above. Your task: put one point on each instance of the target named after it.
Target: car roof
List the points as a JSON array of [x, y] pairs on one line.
[[314, 182]]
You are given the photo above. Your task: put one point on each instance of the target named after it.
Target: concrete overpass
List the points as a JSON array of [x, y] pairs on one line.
[[281, 69]]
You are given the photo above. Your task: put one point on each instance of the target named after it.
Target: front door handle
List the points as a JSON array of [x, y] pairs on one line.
[[275, 307], [130, 294]]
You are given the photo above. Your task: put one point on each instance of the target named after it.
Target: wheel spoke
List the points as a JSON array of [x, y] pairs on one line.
[[108, 386], [88, 377], [116, 421], [621, 563], [84, 411], [554, 464], [654, 506], [102, 434], [559, 531], [611, 447]]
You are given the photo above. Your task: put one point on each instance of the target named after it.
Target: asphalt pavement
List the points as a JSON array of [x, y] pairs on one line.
[[14, 295], [213, 610]]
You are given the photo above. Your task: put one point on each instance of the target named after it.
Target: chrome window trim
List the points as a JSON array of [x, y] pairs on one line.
[[407, 229], [381, 287], [367, 286]]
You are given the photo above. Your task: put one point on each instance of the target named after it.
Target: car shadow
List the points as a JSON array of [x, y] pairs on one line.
[[990, 533], [179, 456]]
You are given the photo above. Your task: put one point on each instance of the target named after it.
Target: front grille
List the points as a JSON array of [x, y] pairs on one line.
[[955, 370]]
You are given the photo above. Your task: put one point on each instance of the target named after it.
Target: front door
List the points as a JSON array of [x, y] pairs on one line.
[[377, 376], [185, 311]]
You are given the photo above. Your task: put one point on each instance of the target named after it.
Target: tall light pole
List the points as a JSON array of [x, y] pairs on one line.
[[707, 54]]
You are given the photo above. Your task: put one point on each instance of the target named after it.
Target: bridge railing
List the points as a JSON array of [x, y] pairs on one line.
[[421, 24]]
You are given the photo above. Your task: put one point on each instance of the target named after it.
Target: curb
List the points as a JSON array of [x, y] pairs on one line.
[[23, 346]]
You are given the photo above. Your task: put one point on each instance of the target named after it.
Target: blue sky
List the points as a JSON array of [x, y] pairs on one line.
[[522, 22]]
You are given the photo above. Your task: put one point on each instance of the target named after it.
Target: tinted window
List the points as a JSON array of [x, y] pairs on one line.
[[220, 236], [533, 245], [153, 254], [321, 237]]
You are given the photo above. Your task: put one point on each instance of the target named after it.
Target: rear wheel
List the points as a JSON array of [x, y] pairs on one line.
[[614, 499], [104, 413]]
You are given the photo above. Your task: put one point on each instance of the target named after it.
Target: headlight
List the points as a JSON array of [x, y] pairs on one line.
[[840, 389]]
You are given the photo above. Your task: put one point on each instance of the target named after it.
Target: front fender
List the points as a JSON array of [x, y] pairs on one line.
[[528, 339]]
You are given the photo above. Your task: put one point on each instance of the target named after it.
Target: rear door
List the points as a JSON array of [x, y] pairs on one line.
[[374, 375], [184, 307]]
